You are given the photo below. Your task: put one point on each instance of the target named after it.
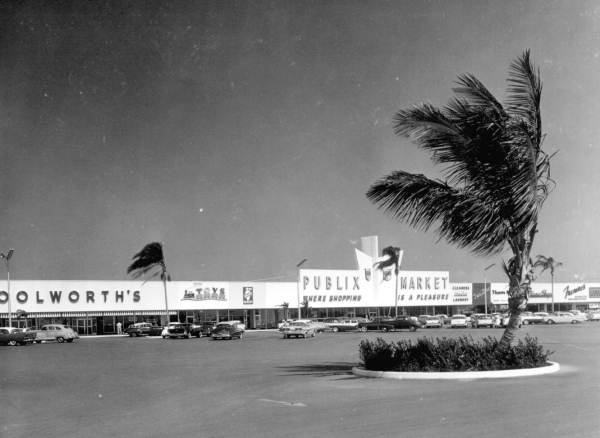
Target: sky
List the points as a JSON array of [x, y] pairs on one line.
[[243, 135]]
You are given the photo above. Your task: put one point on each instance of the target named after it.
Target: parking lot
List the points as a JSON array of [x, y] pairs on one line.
[[265, 386]]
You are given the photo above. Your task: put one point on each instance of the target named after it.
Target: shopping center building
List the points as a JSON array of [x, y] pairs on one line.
[[95, 307]]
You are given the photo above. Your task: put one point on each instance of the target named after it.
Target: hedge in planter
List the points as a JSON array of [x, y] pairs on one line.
[[451, 354]]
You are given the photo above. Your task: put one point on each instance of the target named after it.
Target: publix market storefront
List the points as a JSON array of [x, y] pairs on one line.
[[95, 307]]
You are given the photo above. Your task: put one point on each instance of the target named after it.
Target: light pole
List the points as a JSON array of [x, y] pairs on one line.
[[485, 285], [7, 257], [298, 285]]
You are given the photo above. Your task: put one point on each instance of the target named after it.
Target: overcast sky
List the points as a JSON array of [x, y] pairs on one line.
[[244, 135]]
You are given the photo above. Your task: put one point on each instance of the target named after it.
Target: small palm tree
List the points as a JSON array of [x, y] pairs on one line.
[[547, 263], [393, 257], [151, 258], [497, 176]]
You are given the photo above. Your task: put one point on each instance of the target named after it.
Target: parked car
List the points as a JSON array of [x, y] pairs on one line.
[[459, 321], [579, 315], [445, 319], [532, 318], [14, 336], [228, 330], [431, 322], [320, 325], [561, 318], [299, 328], [388, 324], [200, 329], [55, 332], [482, 320], [143, 329], [593, 315], [177, 330], [341, 325]]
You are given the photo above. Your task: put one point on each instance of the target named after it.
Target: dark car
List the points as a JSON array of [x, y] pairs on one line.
[[200, 329], [177, 330], [143, 329], [228, 330], [14, 336], [388, 324]]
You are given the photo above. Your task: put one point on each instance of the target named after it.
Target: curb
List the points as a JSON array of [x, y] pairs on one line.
[[455, 375]]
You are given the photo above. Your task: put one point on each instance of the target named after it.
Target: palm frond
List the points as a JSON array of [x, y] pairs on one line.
[[464, 218], [149, 258], [525, 92], [393, 258]]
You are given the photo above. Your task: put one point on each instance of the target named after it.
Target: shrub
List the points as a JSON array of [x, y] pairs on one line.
[[451, 354]]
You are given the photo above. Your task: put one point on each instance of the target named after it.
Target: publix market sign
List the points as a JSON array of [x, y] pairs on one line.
[[372, 288]]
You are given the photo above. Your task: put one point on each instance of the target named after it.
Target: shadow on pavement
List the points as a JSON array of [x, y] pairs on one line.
[[321, 370]]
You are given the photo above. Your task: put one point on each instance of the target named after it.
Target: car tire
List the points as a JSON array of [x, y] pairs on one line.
[[550, 321], [60, 339], [384, 329], [525, 322], [412, 328], [335, 329], [12, 342], [38, 342], [363, 329]]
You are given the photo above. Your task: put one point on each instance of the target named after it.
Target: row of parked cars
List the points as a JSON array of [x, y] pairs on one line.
[[48, 333], [221, 330], [305, 328]]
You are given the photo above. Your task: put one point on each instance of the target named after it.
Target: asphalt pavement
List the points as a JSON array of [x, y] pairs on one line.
[[265, 386]]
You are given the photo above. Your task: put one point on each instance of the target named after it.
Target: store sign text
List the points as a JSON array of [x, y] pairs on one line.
[[74, 296], [327, 282]]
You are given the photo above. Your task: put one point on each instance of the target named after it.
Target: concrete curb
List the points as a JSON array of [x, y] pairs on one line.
[[454, 375]]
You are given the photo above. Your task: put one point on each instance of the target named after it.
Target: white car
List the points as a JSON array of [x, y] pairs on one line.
[[581, 317], [593, 315], [532, 318], [431, 321], [55, 332], [298, 328], [482, 320], [459, 321], [561, 318]]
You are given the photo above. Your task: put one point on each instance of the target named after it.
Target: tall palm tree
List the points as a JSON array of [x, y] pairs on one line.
[[151, 258], [393, 257], [547, 263], [497, 176]]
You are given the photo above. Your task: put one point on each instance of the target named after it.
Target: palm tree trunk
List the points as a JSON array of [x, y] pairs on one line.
[[166, 302]]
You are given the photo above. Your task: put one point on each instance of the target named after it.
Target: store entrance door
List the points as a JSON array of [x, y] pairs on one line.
[[85, 326]]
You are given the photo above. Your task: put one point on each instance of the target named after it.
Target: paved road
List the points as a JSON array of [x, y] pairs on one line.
[[264, 386]]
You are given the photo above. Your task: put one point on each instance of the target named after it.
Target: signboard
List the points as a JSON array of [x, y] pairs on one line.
[[415, 288], [336, 288]]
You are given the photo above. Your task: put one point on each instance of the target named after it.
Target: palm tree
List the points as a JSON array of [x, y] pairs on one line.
[[393, 257], [149, 259], [547, 263], [496, 175]]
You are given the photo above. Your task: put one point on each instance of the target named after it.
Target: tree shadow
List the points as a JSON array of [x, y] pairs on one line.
[[322, 369]]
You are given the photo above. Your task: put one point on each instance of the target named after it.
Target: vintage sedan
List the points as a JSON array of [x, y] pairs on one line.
[[297, 329], [200, 329], [228, 330], [561, 318], [482, 320], [177, 330], [593, 315], [386, 324], [15, 336], [431, 322], [143, 329], [459, 321], [532, 318], [341, 324], [55, 332]]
